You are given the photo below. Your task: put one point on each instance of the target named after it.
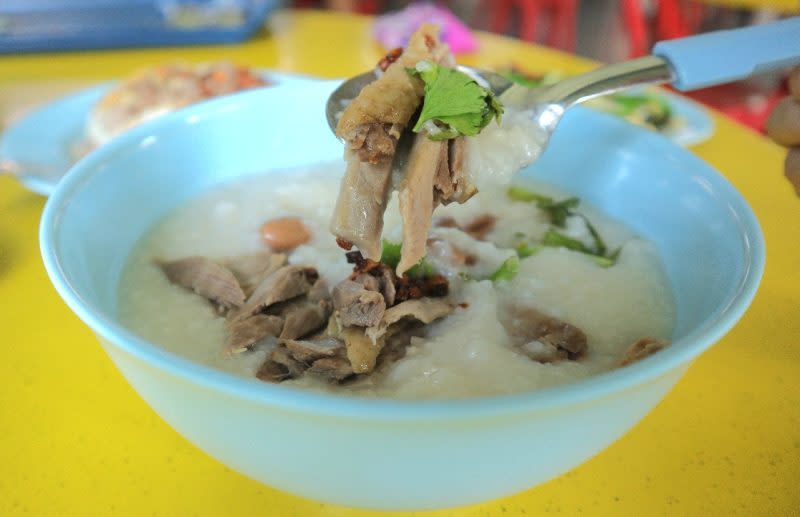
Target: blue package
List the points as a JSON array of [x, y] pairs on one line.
[[56, 25]]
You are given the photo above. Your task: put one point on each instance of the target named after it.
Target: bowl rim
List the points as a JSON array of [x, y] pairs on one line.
[[342, 405]]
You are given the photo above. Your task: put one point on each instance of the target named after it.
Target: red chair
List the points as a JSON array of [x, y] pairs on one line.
[[561, 19], [359, 6], [673, 19]]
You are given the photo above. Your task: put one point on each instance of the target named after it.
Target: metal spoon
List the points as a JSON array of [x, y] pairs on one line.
[[688, 63]]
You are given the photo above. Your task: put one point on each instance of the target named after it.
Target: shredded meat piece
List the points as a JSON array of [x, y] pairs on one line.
[[282, 356], [271, 371], [371, 126], [243, 333], [417, 199], [205, 277], [395, 95], [284, 284], [310, 350], [368, 281], [396, 343], [319, 291], [527, 325], [331, 368], [425, 310], [642, 348], [357, 306], [322, 357], [302, 317], [363, 195], [250, 270], [387, 283], [450, 184]]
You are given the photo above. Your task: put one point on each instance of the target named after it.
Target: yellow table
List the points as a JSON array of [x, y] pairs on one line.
[[76, 440]]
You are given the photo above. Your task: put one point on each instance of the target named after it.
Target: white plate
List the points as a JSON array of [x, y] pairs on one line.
[[42, 146]]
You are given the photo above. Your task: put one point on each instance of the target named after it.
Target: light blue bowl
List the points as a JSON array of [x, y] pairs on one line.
[[383, 453]]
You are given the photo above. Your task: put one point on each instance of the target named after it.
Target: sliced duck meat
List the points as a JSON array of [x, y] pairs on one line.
[[251, 269], [642, 348], [331, 368], [527, 324], [282, 356], [206, 278], [374, 143], [371, 126], [357, 306], [416, 198], [323, 356], [319, 291], [396, 343], [243, 333], [309, 350], [303, 317], [271, 371], [368, 281], [424, 310], [388, 288], [363, 195], [383, 108], [450, 184], [284, 284]]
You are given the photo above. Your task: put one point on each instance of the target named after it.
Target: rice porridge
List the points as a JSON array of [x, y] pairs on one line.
[[468, 353]]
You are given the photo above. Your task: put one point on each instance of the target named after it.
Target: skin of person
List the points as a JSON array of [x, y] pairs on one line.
[[783, 126]]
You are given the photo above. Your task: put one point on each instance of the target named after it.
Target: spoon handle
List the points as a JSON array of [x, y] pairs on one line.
[[726, 56]]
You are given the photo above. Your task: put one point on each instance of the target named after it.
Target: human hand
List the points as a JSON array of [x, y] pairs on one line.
[[783, 127]]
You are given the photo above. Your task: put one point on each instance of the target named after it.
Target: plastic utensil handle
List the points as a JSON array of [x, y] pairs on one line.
[[726, 56]]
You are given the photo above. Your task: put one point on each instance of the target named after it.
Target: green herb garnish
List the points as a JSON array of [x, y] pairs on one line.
[[391, 257], [525, 250], [558, 212], [507, 270], [556, 239], [526, 196], [454, 102]]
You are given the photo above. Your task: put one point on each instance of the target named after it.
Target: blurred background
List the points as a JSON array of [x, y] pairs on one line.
[[603, 30]]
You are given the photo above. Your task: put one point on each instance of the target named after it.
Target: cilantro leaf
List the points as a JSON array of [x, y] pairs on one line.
[[526, 196], [391, 257], [599, 245], [556, 239], [454, 102], [391, 254], [557, 211], [525, 250], [507, 270]]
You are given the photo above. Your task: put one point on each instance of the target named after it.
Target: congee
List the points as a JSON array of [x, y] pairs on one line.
[[387, 276]]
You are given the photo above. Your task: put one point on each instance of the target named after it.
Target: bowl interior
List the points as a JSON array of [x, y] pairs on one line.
[[708, 238]]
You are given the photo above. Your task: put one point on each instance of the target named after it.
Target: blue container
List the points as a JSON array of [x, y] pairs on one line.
[[56, 25]]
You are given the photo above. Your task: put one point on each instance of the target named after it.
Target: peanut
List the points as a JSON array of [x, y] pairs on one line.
[[284, 233]]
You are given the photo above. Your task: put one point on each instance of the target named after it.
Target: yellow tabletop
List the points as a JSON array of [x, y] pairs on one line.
[[76, 440]]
